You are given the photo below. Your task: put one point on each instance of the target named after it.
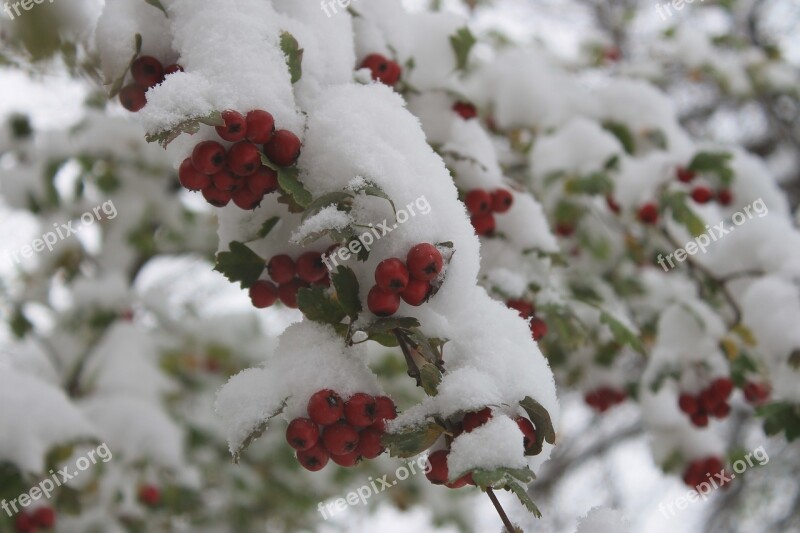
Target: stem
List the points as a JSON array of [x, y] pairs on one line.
[[500, 511], [413, 369]]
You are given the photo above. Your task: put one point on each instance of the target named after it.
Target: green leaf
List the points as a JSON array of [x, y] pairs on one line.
[[157, 3], [189, 126], [291, 185], [342, 200], [781, 417], [621, 333], [257, 432], [346, 284], [374, 190], [387, 325], [593, 184], [521, 492], [294, 55], [267, 226], [317, 305], [657, 138], [623, 134], [431, 377], [240, 264], [541, 421], [462, 43], [683, 215], [411, 441], [498, 478], [714, 163], [20, 325]]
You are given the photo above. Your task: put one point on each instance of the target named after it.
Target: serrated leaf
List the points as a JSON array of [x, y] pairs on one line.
[[430, 377], [781, 417], [346, 284], [291, 185], [317, 305], [499, 477], [621, 333], [240, 264], [462, 42], [267, 226], [157, 3], [541, 420], [683, 215], [423, 346], [294, 55], [342, 200], [623, 134], [411, 441], [257, 432], [521, 492], [189, 126]]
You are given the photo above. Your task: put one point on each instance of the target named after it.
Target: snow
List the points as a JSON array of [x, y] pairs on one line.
[[602, 520], [469, 450], [328, 218]]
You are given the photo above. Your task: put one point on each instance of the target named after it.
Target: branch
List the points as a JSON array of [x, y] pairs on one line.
[[503, 516]]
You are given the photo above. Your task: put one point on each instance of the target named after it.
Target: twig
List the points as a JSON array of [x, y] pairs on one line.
[[413, 369], [501, 511]]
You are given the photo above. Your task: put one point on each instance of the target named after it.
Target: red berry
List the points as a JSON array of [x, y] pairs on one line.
[[424, 262], [369, 443], [478, 202], [484, 225], [44, 517], [216, 197], [225, 180], [700, 419], [756, 393], [208, 157], [260, 126], [246, 199], [612, 204], [528, 434], [476, 419], [385, 410], [325, 407], [132, 97], [723, 387], [314, 459], [713, 465], [360, 410], [172, 69], [346, 460], [710, 399], [283, 149], [263, 294], [565, 229], [702, 195], [437, 467], [235, 127], [24, 523], [287, 292], [340, 438], [149, 495], [302, 434], [724, 197], [263, 181], [383, 70], [382, 303], [502, 200], [465, 110], [688, 404], [538, 328], [243, 158], [525, 309], [147, 71], [281, 269], [648, 213], [416, 292], [685, 175], [460, 482], [310, 267], [391, 275], [722, 410], [190, 178]]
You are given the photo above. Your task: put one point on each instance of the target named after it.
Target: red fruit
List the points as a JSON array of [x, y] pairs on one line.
[[281, 269], [149, 495], [476, 419], [346, 460], [688, 404], [460, 482], [709, 399], [287, 292], [713, 465], [478, 202], [246, 199], [565, 229], [302, 434], [484, 225], [724, 197], [612, 204], [685, 175], [723, 387], [502, 200], [263, 294], [528, 434], [756, 393], [648, 213], [340, 438], [694, 473], [44, 517], [385, 410], [525, 309], [383, 70], [216, 197], [700, 420], [369, 443], [243, 158], [360, 410], [416, 293], [132, 97], [235, 127], [702, 195], [172, 69], [190, 178], [263, 181], [612, 54], [147, 71], [722, 410], [315, 458], [538, 328], [465, 110], [391, 275], [310, 267], [424, 262], [437, 467], [260, 126], [283, 149], [325, 407], [382, 303], [208, 157], [225, 180], [24, 523]]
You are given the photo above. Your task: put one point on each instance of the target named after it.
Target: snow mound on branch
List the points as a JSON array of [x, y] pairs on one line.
[[469, 450], [328, 218], [602, 520]]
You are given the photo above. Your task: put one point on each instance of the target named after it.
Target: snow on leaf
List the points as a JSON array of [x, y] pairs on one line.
[[257, 432], [623, 134], [157, 3], [682, 214], [621, 333], [240, 264], [462, 42], [189, 126], [714, 163], [413, 440]]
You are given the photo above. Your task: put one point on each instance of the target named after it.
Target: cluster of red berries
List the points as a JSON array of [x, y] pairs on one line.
[[383, 69], [343, 432], [648, 213], [756, 393], [437, 461], [149, 495], [604, 398], [482, 205], [290, 276], [701, 470], [711, 401], [465, 110], [409, 280], [701, 193], [32, 521], [527, 310], [147, 72], [237, 173]]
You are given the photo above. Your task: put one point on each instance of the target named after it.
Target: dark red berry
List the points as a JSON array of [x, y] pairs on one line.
[[149, 495], [208, 157], [702, 195], [235, 127], [538, 328], [710, 399], [243, 158], [283, 149], [225, 180], [246, 199], [723, 387], [147, 71], [383, 70], [648, 213], [688, 404], [302, 434], [24, 523], [172, 69], [502, 200], [315, 458], [565, 229], [382, 303], [216, 197], [287, 292], [310, 267], [424, 262], [722, 410], [281, 269], [385, 410], [325, 407], [263, 294], [260, 126], [44, 517], [478, 202], [132, 97], [416, 292], [525, 309], [391, 275], [190, 178], [263, 181], [528, 434], [484, 225], [437, 467], [700, 419], [476, 419], [465, 110], [612, 204], [369, 443], [347, 460], [685, 175], [724, 197], [460, 482], [360, 410], [340, 438]]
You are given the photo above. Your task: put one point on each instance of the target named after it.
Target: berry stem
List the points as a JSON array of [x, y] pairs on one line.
[[503, 516], [413, 369]]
